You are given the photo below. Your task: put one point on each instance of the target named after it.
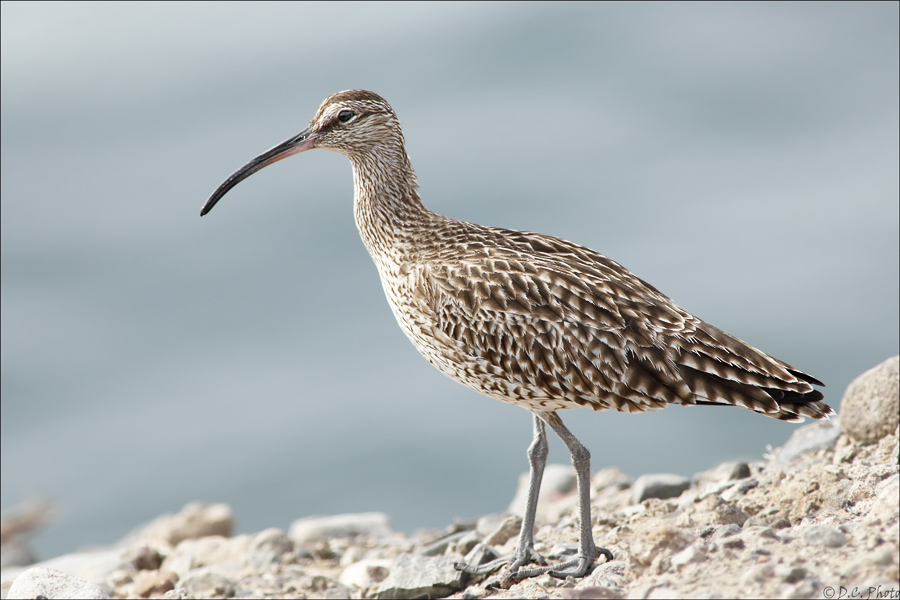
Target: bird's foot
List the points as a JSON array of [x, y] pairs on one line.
[[577, 566], [516, 561]]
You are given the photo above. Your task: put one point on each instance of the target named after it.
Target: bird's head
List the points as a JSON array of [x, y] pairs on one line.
[[354, 123]]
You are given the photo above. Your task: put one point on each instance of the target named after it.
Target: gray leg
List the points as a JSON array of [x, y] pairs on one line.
[[587, 551], [524, 554]]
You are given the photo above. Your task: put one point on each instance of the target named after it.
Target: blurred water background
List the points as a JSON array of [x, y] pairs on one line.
[[741, 157]]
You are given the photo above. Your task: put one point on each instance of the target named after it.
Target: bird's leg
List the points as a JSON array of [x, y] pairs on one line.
[[524, 553], [581, 563]]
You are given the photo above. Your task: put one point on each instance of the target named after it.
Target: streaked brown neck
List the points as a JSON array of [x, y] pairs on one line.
[[386, 205]]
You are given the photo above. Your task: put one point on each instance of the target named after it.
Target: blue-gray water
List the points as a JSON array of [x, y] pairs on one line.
[[740, 157]]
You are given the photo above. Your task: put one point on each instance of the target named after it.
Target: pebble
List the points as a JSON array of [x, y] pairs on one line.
[[480, 555], [505, 532], [823, 535], [820, 435], [467, 542], [94, 566], [727, 536], [739, 489], [143, 557], [196, 520], [414, 576], [272, 539], [206, 582], [870, 408], [790, 574], [488, 523], [312, 529], [885, 508], [693, 553], [153, 583], [726, 472], [366, 573], [51, 583], [658, 485], [610, 477]]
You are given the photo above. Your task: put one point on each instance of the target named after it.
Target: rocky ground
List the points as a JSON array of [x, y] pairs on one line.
[[817, 518]]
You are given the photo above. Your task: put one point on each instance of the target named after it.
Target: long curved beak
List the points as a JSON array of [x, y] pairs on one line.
[[304, 140]]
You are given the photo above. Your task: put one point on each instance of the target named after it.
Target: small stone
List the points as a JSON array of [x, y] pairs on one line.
[[206, 582], [654, 550], [592, 592], [143, 557], [488, 523], [92, 566], [608, 576], [884, 507], [353, 555], [366, 573], [196, 520], [780, 523], [727, 471], [153, 583], [562, 551], [440, 546], [790, 574], [467, 542], [272, 539], [312, 529], [480, 555], [739, 489], [610, 477], [723, 532], [120, 577], [870, 408], [414, 576], [211, 550], [658, 485], [823, 535], [806, 588], [758, 573], [728, 513], [505, 532], [50, 583], [805, 440], [691, 554]]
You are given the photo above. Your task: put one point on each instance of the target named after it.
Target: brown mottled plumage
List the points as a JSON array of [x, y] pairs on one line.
[[531, 319]]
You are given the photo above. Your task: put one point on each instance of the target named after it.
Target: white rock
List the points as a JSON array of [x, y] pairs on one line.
[[311, 529], [693, 553], [94, 567], [414, 576], [196, 520], [365, 573], [272, 539], [658, 485], [206, 582], [870, 408], [823, 535], [51, 583]]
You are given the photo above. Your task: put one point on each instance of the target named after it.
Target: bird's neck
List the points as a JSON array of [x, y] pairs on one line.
[[386, 206]]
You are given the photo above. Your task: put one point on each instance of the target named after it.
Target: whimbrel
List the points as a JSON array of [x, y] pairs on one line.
[[531, 319]]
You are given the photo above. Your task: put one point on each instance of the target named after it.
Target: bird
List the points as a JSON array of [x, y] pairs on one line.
[[530, 319]]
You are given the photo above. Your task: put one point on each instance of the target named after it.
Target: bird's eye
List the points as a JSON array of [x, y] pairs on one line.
[[345, 115]]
